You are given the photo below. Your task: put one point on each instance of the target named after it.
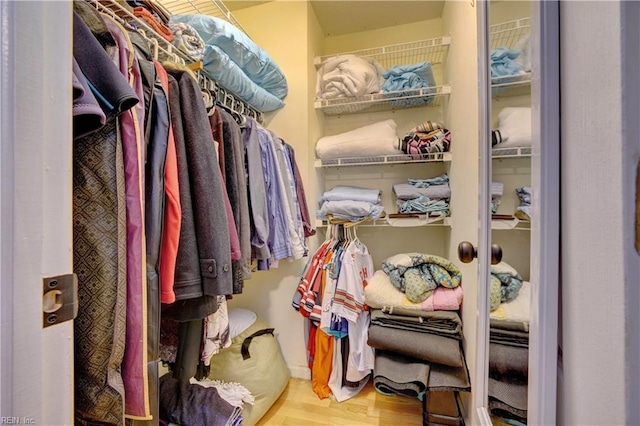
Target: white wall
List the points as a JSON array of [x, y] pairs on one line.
[[599, 264], [287, 40]]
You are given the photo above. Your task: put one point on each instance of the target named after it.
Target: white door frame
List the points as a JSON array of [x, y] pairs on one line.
[[36, 364], [545, 228]]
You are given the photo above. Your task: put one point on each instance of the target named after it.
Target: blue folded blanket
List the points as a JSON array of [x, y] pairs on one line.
[[406, 78], [504, 63]]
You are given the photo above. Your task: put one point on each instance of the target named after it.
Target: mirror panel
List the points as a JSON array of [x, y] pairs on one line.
[[511, 139]]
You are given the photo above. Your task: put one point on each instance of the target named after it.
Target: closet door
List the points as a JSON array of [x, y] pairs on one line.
[[36, 363], [539, 252]]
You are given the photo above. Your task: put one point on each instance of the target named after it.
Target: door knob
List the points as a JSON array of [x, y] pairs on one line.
[[467, 252]]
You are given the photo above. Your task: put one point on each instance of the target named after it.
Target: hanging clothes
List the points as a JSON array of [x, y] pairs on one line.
[[331, 297]]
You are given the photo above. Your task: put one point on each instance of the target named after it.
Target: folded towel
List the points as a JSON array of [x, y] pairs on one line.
[[343, 192]]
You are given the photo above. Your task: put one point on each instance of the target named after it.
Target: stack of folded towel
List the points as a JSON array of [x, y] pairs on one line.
[[424, 195], [351, 203]]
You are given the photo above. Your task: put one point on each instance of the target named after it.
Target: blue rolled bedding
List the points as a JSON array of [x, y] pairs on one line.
[[250, 58], [219, 66]]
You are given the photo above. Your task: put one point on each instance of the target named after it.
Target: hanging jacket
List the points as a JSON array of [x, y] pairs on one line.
[[203, 265]]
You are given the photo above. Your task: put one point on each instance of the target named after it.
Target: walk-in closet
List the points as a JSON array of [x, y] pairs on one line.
[[305, 212]]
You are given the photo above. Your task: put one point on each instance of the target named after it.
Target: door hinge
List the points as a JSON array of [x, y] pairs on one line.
[[59, 299]]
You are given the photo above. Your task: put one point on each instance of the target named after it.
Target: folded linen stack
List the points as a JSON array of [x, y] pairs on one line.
[[505, 284], [424, 195], [523, 211], [415, 327], [351, 203], [497, 189], [417, 351], [509, 356]]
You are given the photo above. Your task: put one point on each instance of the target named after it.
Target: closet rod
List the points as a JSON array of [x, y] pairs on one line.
[[223, 96]]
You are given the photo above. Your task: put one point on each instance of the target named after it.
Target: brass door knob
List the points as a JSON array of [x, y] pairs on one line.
[[467, 252]]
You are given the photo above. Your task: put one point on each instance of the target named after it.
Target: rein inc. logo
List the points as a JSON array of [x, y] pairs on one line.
[[14, 420]]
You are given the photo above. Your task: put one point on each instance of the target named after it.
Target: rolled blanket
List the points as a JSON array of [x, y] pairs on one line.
[[405, 191], [381, 294], [348, 75], [374, 139], [342, 193], [187, 39], [157, 25], [417, 274]]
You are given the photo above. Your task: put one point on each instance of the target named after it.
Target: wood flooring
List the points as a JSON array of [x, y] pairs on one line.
[[299, 406]]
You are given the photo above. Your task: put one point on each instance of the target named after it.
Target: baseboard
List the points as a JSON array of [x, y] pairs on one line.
[[300, 372]]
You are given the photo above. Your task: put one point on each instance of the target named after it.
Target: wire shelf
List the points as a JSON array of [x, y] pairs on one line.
[[508, 34], [438, 157], [214, 8], [433, 50], [515, 152], [426, 96], [167, 51], [441, 221]]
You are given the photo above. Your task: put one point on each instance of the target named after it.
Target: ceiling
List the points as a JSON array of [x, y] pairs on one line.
[[338, 17]]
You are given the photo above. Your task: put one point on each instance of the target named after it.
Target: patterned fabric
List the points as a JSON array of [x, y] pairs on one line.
[[417, 274], [426, 138], [97, 258]]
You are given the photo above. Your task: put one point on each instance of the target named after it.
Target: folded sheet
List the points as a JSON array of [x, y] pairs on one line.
[[509, 337], [354, 211], [405, 191], [344, 192]]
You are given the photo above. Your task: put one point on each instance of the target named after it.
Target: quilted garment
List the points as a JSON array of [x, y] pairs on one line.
[[418, 274]]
